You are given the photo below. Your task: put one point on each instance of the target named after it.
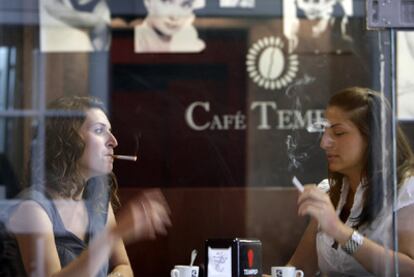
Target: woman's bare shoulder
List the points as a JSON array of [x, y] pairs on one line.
[[29, 217]]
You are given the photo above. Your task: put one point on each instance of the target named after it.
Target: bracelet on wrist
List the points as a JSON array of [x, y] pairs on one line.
[[353, 243]]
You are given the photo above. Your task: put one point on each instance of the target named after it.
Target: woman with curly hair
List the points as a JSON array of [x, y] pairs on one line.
[[65, 224]]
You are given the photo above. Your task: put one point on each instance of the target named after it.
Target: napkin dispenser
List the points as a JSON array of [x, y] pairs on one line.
[[233, 257]]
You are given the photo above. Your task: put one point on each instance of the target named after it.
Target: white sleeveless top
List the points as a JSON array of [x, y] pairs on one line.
[[335, 262]]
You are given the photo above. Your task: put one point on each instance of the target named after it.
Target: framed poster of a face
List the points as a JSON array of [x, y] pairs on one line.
[[405, 81], [168, 27], [321, 15], [74, 25]]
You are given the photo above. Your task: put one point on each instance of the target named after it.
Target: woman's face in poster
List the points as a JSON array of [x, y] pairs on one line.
[[315, 9], [169, 16]]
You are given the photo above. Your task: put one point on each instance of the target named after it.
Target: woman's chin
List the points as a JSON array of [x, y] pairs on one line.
[[334, 168], [99, 173]]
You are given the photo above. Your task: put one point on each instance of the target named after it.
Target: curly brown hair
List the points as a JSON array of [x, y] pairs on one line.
[[64, 147]]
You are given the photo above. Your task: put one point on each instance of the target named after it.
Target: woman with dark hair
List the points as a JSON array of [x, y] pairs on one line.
[[65, 225], [350, 233]]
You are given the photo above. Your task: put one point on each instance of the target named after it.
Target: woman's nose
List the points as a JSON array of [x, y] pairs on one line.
[[112, 142], [326, 141]]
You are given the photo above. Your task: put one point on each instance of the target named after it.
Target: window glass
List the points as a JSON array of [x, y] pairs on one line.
[[219, 104]]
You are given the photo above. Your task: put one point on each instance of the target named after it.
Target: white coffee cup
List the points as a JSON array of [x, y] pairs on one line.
[[286, 271], [184, 271]]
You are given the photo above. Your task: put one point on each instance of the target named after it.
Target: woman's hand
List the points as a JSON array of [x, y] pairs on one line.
[[143, 217], [312, 201]]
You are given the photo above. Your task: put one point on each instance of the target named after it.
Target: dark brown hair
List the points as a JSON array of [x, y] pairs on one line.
[[363, 107]]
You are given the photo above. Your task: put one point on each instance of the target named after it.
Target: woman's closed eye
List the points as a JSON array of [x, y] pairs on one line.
[[338, 132]]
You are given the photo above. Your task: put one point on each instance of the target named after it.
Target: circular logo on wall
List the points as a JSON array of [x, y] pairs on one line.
[[269, 66]]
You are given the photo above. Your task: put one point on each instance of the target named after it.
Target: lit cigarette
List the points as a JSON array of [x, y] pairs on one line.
[[297, 184], [124, 157]]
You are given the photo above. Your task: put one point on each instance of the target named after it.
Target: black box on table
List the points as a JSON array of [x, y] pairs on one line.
[[235, 257]]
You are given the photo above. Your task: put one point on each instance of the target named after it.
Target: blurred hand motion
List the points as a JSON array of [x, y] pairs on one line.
[[144, 217]]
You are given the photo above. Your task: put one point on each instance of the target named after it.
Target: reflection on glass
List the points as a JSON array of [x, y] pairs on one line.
[[318, 126], [232, 175]]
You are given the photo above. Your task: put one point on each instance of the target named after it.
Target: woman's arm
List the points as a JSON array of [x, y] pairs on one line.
[[143, 217], [305, 257], [119, 258], [405, 227], [147, 217], [34, 234], [373, 257]]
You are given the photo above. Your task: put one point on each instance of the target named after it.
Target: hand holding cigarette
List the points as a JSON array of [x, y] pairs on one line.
[[297, 184], [323, 185]]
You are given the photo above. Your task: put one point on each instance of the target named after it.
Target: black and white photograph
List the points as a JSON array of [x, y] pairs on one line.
[[168, 27], [321, 16], [74, 25], [405, 81]]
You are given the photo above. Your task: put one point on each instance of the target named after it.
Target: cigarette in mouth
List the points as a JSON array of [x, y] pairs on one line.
[[124, 157], [297, 184]]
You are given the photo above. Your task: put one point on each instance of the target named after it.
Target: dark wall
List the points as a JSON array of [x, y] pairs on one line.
[[150, 94]]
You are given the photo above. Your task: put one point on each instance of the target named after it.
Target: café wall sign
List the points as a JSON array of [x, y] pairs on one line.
[[269, 65], [269, 117]]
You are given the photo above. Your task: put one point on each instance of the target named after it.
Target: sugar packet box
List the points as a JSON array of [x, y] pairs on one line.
[[235, 257]]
